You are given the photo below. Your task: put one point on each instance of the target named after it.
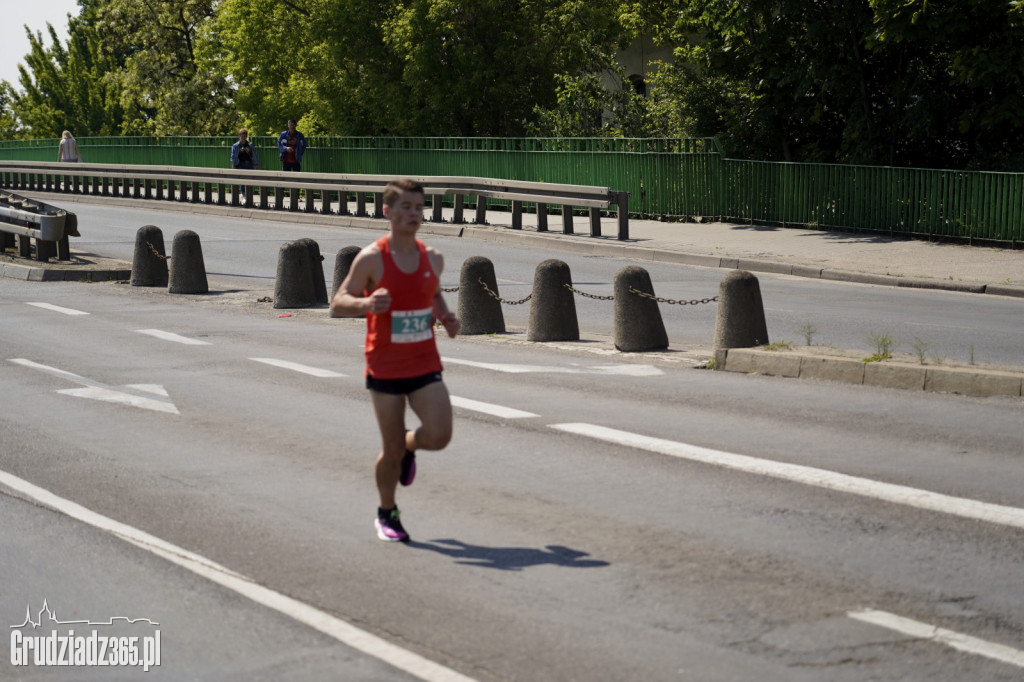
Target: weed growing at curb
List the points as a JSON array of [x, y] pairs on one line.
[[883, 344], [808, 330], [778, 345], [920, 347]]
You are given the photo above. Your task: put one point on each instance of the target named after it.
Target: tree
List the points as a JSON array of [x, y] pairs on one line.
[[420, 67], [902, 82], [65, 85], [164, 89], [482, 68], [275, 55], [9, 125]]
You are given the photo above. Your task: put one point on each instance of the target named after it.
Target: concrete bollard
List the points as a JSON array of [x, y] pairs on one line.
[[187, 271], [149, 264], [316, 270], [740, 320], [553, 306], [478, 311], [638, 323], [342, 264], [293, 287]]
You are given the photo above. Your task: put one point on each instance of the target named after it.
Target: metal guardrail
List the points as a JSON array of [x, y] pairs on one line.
[[227, 186], [32, 219]]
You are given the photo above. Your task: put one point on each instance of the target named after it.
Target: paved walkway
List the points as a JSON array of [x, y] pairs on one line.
[[871, 258]]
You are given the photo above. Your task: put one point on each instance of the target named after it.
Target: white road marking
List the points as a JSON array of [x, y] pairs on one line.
[[296, 367], [94, 390], [331, 626], [109, 395], [966, 643], [897, 494], [58, 309], [620, 370], [170, 336], [488, 408]]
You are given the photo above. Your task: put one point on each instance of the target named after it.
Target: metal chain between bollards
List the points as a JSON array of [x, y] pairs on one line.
[[583, 293], [152, 249], [642, 294], [499, 298], [694, 301]]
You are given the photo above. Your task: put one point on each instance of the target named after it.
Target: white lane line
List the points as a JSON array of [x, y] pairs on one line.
[[169, 336], [58, 309], [331, 626], [618, 370], [960, 642], [296, 367], [488, 408], [898, 494]]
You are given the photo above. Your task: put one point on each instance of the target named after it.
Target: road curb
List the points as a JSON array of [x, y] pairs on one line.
[[888, 374], [28, 273]]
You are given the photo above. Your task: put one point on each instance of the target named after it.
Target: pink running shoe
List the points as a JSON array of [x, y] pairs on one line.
[[389, 526]]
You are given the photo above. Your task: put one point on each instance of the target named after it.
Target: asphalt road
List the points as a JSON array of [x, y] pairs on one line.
[[597, 517], [242, 255]]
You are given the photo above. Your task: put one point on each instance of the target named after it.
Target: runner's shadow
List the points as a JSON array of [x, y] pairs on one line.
[[509, 558]]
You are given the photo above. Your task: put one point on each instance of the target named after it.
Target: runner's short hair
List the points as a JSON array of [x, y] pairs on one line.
[[396, 187]]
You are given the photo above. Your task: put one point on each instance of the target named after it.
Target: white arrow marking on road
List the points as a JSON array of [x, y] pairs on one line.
[[155, 397], [617, 370], [58, 309], [488, 408], [169, 336], [296, 367], [821, 478]]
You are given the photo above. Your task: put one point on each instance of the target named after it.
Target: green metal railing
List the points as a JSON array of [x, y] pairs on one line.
[[684, 178]]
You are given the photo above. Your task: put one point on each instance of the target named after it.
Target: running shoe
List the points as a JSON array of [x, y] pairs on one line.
[[408, 468], [389, 526]]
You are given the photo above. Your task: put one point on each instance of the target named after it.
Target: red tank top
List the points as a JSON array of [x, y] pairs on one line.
[[400, 343]]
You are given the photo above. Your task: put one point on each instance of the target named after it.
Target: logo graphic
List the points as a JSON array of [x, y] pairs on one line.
[[118, 646]]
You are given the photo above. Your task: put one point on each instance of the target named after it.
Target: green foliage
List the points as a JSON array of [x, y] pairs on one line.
[[9, 125], [65, 86], [896, 82], [883, 344], [164, 88], [808, 330], [423, 67]]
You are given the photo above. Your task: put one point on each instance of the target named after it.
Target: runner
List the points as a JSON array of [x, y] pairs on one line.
[[395, 282]]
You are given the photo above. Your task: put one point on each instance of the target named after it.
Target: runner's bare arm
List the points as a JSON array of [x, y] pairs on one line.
[[367, 269], [441, 313]]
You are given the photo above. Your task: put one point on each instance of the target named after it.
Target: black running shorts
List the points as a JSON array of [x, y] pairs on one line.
[[401, 386]]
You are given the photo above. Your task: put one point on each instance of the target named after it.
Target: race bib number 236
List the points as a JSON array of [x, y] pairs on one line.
[[410, 326]]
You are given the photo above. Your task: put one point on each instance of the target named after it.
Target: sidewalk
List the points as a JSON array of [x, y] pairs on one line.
[[840, 256], [845, 256]]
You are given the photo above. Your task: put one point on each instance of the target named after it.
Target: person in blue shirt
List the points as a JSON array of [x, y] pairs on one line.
[[292, 145], [243, 154]]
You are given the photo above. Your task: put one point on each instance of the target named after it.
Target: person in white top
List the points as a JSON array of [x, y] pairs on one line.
[[68, 150]]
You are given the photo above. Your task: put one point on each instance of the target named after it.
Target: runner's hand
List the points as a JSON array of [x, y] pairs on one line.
[[451, 324], [380, 301]]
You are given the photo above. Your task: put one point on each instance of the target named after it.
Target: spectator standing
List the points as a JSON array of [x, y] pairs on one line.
[[292, 145], [68, 149], [243, 154]]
